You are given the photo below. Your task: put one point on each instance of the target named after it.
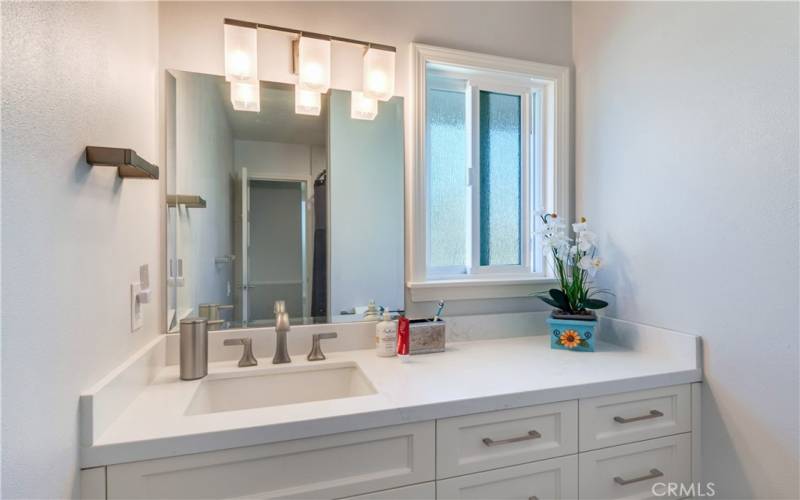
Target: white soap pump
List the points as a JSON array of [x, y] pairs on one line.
[[386, 336]]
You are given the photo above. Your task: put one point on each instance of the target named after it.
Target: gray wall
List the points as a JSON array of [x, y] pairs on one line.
[[687, 163], [74, 74]]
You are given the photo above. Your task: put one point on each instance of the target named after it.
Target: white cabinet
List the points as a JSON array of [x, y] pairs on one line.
[[545, 479], [490, 440], [616, 446], [631, 471], [634, 416], [332, 466], [424, 491]]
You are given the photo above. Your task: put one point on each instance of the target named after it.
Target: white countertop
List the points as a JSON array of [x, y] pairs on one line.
[[470, 377]]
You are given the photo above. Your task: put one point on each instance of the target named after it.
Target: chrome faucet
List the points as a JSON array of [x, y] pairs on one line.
[[281, 327], [316, 353]]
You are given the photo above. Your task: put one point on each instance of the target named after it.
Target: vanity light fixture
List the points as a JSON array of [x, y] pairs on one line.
[[246, 95], [313, 63], [378, 74], [241, 53], [307, 102], [362, 107]]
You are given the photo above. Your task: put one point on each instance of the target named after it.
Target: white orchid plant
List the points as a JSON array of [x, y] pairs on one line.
[[575, 262]]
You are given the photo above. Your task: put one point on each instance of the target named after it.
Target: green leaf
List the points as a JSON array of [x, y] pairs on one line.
[[561, 298], [548, 300], [595, 304]]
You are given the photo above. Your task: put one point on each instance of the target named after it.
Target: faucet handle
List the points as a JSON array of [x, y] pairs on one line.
[[280, 307], [316, 351], [247, 354]]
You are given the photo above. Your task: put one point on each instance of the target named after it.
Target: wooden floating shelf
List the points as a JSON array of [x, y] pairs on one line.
[[187, 200], [128, 163]]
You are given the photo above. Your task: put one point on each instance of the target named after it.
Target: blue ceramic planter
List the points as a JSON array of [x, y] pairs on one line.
[[572, 334]]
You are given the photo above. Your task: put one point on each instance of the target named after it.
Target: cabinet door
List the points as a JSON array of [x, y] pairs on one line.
[[556, 478], [333, 466], [632, 471], [424, 491], [484, 441]]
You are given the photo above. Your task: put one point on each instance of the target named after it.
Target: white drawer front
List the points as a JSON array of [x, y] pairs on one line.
[[485, 441], [326, 467], [634, 416], [547, 479], [424, 491], [630, 471]]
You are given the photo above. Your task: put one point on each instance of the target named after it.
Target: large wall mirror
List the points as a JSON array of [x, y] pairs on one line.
[[275, 205]]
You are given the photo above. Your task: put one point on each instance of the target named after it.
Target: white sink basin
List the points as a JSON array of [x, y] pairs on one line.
[[279, 386]]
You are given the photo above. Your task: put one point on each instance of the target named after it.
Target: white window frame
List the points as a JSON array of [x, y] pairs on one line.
[[551, 166]]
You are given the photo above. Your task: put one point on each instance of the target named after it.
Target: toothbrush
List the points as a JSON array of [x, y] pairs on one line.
[[438, 314]]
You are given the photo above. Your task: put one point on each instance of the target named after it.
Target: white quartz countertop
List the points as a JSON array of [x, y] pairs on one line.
[[470, 377]]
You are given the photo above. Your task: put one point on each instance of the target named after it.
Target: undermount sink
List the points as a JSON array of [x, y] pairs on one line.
[[279, 386]]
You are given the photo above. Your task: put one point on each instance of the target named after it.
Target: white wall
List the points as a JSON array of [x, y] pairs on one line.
[[205, 164], [74, 74], [192, 40], [687, 163]]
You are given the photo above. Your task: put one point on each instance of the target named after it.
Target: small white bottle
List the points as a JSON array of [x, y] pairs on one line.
[[386, 336]]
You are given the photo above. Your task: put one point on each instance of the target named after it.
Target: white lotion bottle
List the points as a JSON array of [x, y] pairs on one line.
[[386, 336]]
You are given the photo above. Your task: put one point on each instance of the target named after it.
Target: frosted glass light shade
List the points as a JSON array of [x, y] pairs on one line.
[[307, 102], [378, 73], [314, 61], [362, 107], [246, 95], [241, 53]]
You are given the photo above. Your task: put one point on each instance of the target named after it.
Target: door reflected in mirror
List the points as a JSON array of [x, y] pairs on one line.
[[304, 209]]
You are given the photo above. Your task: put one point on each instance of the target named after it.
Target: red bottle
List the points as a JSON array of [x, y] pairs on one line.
[[403, 336]]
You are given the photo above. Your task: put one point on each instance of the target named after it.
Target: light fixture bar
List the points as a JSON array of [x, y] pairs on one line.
[[322, 36]]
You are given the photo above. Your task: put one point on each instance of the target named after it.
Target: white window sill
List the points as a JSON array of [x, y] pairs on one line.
[[478, 288]]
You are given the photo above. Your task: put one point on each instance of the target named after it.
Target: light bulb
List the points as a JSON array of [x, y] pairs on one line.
[[307, 102], [241, 53], [245, 96], [314, 59], [362, 107], [378, 74]]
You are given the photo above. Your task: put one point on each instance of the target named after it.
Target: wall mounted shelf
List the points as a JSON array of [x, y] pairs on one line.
[[187, 200], [128, 163]]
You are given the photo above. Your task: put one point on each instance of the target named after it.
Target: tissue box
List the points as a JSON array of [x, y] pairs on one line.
[[426, 336]]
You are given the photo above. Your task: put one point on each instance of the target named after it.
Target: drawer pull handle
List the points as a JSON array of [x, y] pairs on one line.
[[654, 473], [652, 414], [534, 497], [526, 437]]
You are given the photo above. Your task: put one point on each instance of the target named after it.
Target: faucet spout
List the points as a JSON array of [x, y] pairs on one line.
[[281, 327]]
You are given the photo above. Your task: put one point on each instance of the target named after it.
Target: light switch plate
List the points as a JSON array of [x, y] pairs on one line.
[[137, 315]]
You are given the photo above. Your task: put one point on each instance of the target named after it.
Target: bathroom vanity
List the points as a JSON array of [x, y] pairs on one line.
[[497, 418]]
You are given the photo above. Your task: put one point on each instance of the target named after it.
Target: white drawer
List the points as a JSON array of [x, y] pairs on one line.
[[485, 441], [547, 479], [333, 466], [424, 491], [630, 471], [634, 416]]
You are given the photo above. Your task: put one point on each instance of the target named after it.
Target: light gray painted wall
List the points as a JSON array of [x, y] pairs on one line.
[[192, 39], [366, 206], [73, 74], [204, 155], [687, 164]]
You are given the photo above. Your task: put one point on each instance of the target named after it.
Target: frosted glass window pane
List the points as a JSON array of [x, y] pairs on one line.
[[447, 182], [500, 175]]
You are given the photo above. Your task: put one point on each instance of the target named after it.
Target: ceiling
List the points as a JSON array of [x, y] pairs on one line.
[[277, 121]]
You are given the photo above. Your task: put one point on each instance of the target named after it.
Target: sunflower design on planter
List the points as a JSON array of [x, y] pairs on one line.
[[571, 339]]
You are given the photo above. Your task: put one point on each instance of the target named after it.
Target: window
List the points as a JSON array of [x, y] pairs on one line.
[[490, 150]]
